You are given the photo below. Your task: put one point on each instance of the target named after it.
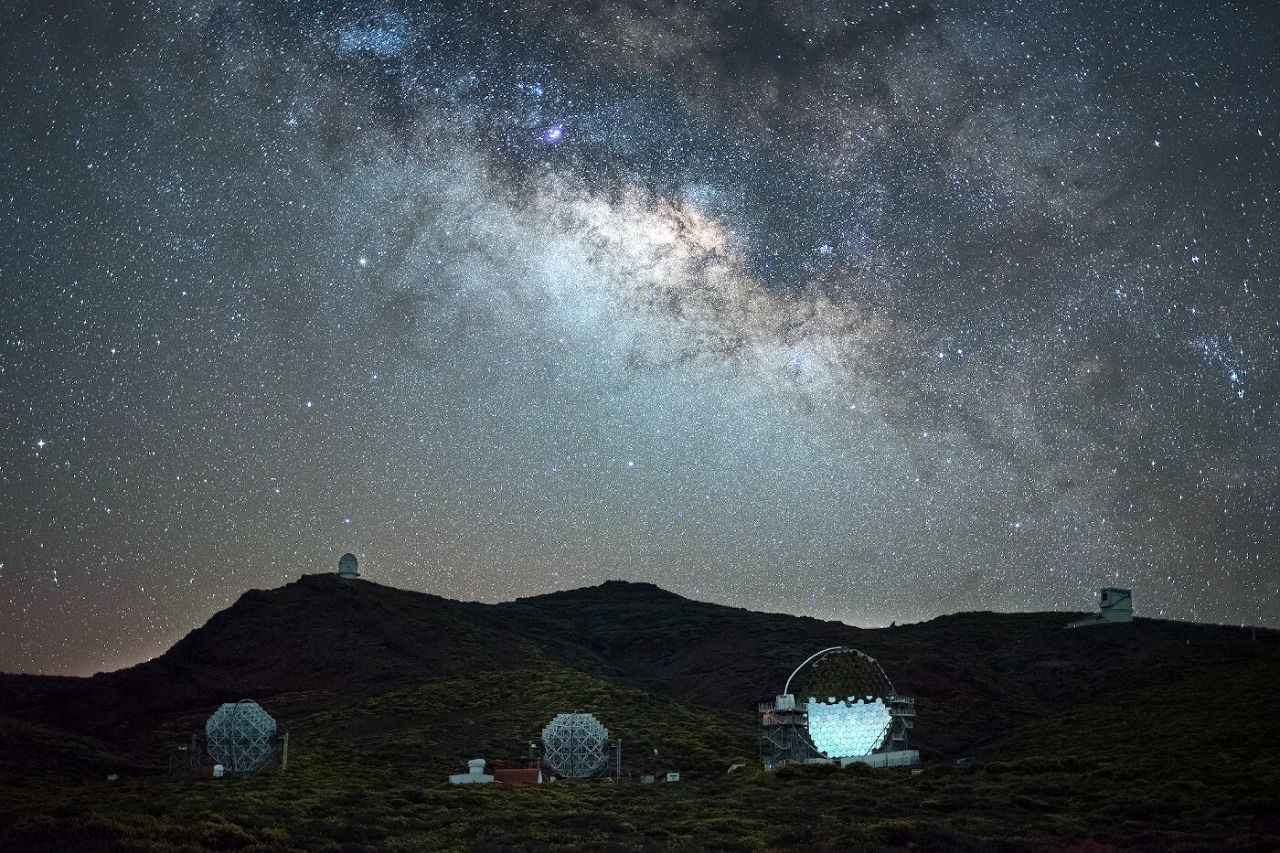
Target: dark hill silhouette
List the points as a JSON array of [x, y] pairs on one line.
[[322, 640], [319, 633], [973, 674]]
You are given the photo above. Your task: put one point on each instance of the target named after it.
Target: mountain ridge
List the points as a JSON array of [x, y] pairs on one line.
[[1031, 736], [323, 635]]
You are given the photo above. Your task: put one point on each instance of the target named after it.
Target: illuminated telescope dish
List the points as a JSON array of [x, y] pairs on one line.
[[846, 696]]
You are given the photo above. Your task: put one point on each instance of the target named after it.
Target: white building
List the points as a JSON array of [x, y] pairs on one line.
[[348, 567], [1116, 605], [475, 774]]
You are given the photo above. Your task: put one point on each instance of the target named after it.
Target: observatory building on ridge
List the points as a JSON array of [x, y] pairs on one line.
[[1115, 606], [348, 567], [837, 706]]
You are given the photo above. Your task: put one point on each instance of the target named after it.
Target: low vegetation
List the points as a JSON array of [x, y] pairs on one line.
[[1184, 764]]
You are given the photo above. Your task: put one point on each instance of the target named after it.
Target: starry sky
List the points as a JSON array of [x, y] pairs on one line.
[[868, 311]]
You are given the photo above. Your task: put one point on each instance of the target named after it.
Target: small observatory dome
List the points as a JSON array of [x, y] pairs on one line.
[[347, 566]]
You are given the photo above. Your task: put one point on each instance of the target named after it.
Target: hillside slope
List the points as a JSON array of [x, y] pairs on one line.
[[1090, 739], [975, 675]]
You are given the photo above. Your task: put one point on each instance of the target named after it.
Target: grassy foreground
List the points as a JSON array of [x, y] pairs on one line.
[[1167, 767]]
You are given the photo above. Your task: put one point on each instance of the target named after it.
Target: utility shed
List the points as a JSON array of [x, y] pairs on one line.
[[517, 775], [1115, 606], [475, 774]]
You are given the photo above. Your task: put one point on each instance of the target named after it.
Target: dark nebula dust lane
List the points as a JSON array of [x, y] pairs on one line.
[[867, 311]]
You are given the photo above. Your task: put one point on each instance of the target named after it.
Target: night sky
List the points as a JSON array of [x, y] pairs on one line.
[[866, 311]]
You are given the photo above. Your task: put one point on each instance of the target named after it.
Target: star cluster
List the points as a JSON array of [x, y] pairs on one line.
[[867, 311]]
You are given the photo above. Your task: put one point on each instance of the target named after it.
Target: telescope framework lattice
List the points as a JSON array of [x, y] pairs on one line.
[[837, 705], [575, 746], [241, 736]]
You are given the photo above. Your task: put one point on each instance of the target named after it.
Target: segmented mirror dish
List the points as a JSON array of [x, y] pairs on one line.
[[846, 696], [241, 736], [575, 746]]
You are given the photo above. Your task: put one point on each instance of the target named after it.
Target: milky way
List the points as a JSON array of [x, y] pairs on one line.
[[866, 311]]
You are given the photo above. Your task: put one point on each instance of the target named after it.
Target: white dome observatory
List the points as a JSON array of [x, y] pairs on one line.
[[347, 567]]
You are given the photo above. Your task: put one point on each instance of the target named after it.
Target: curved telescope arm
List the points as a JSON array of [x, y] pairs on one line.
[[787, 687]]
